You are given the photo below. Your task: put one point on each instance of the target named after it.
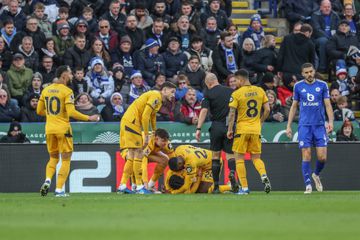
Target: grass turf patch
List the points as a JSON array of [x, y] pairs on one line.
[[278, 215]]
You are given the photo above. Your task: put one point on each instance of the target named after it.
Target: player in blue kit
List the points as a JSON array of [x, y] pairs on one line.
[[313, 97]]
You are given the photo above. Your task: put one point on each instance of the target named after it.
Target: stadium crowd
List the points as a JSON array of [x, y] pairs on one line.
[[120, 49]]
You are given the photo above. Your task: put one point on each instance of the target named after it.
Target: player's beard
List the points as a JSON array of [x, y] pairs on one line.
[[310, 79]]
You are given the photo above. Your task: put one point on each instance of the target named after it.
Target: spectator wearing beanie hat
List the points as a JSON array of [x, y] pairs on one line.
[[63, 39], [99, 81], [132, 91], [35, 87], [28, 111], [15, 135], [255, 31], [342, 82], [123, 55], [119, 77], [149, 61], [115, 109]]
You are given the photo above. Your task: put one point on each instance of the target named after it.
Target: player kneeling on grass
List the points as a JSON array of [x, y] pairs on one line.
[[57, 104], [158, 150], [202, 183], [192, 160], [135, 121]]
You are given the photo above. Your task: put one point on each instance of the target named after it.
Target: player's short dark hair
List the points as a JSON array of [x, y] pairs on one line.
[[162, 133], [306, 65], [242, 73], [168, 85], [176, 182], [306, 28], [60, 70], [173, 163]]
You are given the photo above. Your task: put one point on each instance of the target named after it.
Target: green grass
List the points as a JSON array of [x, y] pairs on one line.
[[279, 215]]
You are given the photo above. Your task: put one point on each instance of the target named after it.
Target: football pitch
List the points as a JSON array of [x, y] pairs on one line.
[[279, 215]]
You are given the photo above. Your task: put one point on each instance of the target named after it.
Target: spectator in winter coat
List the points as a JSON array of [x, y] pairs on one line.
[[325, 23], [132, 91], [175, 60], [353, 19], [276, 111], [159, 12], [205, 54], [149, 61], [255, 31], [346, 133], [31, 56], [8, 32], [213, 10], [157, 32], [81, 27], [339, 43], [19, 77], [183, 31], [44, 23], [187, 9], [47, 70], [342, 113], [83, 104], [136, 34], [119, 77], [195, 73], [123, 56], [34, 88], [211, 34], [77, 56], [295, 50], [28, 111], [172, 7], [100, 82], [342, 82], [226, 57], [14, 135], [63, 39], [31, 30], [114, 110], [79, 84], [107, 36], [14, 12], [88, 16], [9, 111], [188, 109], [49, 50], [5, 55], [115, 18], [247, 62], [142, 15], [266, 57]]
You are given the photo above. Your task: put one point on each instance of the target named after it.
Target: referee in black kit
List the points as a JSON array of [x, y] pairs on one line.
[[216, 99]]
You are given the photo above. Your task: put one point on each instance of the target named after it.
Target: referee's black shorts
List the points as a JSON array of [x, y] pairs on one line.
[[218, 138]]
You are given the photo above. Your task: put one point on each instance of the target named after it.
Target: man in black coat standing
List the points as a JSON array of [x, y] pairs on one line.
[[226, 57], [295, 50]]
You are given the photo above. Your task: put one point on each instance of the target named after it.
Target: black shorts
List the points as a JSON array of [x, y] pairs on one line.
[[218, 138]]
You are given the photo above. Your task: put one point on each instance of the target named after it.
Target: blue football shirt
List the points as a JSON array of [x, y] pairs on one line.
[[311, 100]]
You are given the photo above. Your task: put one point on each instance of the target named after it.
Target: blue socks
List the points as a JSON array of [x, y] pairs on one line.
[[319, 167], [306, 170]]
